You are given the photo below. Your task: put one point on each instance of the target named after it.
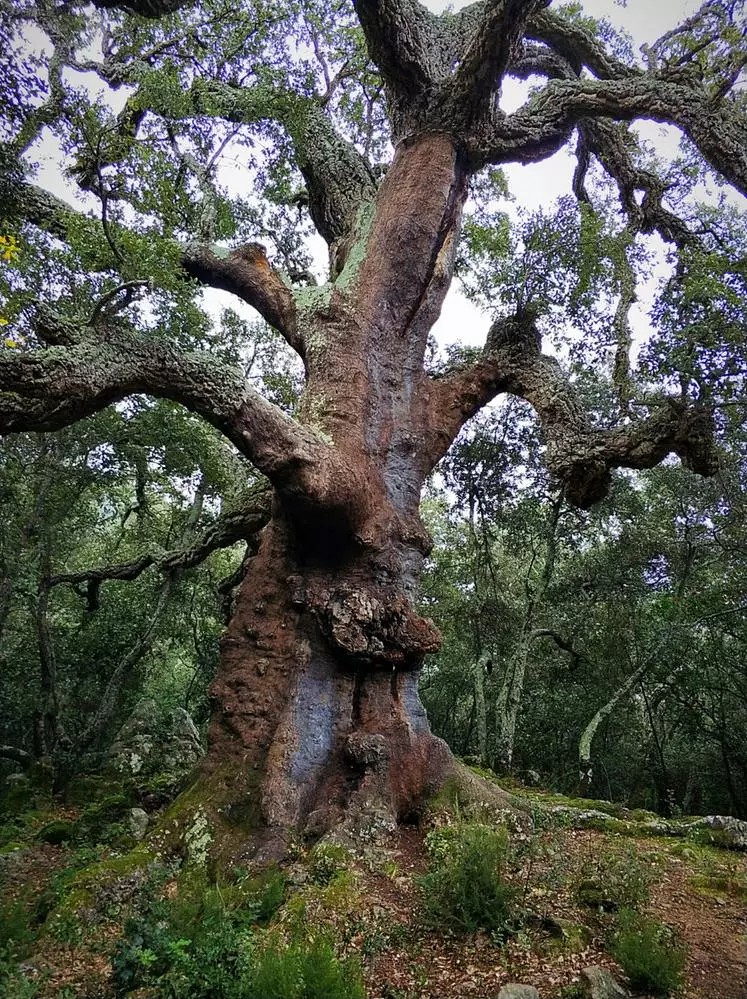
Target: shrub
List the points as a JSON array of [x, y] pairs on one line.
[[465, 889], [307, 970], [648, 953], [618, 880]]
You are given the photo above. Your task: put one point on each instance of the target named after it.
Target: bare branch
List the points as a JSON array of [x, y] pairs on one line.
[[247, 273], [238, 524]]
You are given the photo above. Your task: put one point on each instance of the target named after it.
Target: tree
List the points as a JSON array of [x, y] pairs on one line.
[[316, 715]]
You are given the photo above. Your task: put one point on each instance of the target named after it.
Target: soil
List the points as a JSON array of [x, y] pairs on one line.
[[700, 892]]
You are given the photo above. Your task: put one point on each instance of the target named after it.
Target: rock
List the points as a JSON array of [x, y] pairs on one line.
[[598, 983], [183, 727], [149, 745], [592, 894], [516, 991], [138, 823], [136, 742], [722, 830], [182, 747]]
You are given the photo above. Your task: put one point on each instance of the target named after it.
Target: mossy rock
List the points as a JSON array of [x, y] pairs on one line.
[[97, 817], [327, 860], [13, 847], [719, 885], [564, 937], [57, 832], [18, 798], [591, 894]]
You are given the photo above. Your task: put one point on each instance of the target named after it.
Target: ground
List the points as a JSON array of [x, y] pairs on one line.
[[73, 899]]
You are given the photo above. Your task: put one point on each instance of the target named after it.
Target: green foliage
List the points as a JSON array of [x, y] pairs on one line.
[[306, 970], [465, 889], [57, 832], [206, 942], [649, 954], [326, 861], [612, 880]]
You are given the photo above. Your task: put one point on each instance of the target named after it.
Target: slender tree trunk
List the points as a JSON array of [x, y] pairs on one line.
[[585, 768], [511, 693], [478, 674]]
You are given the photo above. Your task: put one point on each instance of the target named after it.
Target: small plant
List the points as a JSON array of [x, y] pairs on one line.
[[615, 880], [465, 889], [326, 861], [648, 953], [305, 970]]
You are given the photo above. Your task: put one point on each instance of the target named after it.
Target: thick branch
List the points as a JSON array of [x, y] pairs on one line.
[[400, 35], [247, 273], [52, 388], [718, 128], [491, 48], [578, 455], [338, 178]]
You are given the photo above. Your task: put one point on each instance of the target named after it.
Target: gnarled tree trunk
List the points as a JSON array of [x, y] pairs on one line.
[[316, 707]]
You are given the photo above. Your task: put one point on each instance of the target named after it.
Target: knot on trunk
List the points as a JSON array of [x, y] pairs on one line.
[[371, 629], [367, 752], [583, 472]]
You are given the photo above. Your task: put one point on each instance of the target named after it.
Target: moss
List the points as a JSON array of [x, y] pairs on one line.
[[705, 836], [718, 885], [57, 832], [11, 847], [85, 790], [114, 867], [565, 937], [326, 860], [229, 801], [18, 799], [95, 819], [70, 904], [356, 256], [610, 824]]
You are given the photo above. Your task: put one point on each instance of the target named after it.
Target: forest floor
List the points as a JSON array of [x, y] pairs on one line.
[[371, 906]]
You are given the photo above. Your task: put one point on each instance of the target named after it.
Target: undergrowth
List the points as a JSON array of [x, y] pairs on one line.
[[209, 942], [465, 889], [648, 953]]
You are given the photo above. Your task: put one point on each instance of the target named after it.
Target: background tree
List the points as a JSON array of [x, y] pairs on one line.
[[316, 711]]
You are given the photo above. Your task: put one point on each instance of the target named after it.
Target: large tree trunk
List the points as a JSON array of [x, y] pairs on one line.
[[317, 721]]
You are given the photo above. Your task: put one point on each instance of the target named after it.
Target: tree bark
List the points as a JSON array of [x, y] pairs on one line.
[[317, 722]]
